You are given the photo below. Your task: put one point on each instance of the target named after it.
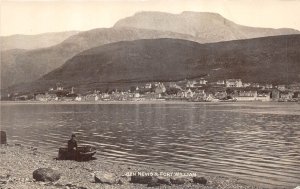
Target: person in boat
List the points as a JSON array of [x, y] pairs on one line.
[[72, 144]]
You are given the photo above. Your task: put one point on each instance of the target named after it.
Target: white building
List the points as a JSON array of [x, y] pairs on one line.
[[202, 81], [221, 82], [234, 83]]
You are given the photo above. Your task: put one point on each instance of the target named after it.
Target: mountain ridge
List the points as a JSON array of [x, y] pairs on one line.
[[272, 60], [28, 42], [29, 65], [38, 62], [209, 27]]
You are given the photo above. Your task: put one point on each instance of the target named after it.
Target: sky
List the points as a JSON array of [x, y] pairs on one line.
[[41, 16]]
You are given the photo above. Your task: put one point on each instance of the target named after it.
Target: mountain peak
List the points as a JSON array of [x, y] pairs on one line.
[[207, 26], [200, 13]]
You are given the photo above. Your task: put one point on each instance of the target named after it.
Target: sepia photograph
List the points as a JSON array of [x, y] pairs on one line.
[[133, 94]]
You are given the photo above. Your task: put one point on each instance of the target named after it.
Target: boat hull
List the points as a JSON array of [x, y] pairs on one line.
[[82, 153]]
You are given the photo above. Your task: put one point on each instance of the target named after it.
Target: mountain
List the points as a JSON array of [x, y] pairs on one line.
[[33, 41], [208, 27], [264, 60], [26, 66], [19, 66]]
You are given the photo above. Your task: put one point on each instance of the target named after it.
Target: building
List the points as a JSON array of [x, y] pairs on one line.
[[189, 93], [89, 97], [191, 84], [160, 88], [234, 83], [202, 81], [246, 96], [148, 86], [137, 95], [199, 95], [40, 97], [78, 98], [21, 98], [286, 96], [264, 96], [246, 84], [220, 82], [211, 98], [46, 97], [268, 86], [275, 94], [174, 85], [255, 85], [296, 95], [220, 95], [295, 87], [281, 87]]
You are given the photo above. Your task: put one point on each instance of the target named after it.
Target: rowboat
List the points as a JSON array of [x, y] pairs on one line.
[[82, 153]]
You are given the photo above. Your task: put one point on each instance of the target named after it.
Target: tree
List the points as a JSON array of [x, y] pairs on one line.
[[132, 89]]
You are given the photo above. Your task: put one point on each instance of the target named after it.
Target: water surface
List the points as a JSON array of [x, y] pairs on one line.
[[255, 142]]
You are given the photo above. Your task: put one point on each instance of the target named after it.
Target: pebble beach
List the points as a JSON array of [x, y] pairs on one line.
[[17, 164]]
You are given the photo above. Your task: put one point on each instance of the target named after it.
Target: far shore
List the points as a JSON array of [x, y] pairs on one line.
[[144, 102]]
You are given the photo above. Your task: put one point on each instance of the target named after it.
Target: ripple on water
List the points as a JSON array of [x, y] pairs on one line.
[[255, 142]]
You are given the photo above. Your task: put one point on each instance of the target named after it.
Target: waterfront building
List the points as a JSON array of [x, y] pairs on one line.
[[234, 83], [220, 82], [203, 81], [220, 94], [263, 96], [268, 86], [281, 87], [160, 88], [255, 85], [246, 96], [275, 94], [286, 95], [294, 87], [191, 84], [246, 84], [148, 86]]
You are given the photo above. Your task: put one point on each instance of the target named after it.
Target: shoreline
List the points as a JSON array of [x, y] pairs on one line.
[[145, 102], [19, 162]]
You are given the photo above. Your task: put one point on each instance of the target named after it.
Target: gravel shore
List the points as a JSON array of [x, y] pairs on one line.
[[17, 164]]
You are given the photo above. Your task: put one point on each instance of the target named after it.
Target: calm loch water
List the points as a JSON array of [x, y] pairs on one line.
[[255, 142]]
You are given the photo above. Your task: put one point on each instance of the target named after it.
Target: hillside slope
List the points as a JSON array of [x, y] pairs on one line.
[[26, 66], [265, 60], [34, 41], [208, 27]]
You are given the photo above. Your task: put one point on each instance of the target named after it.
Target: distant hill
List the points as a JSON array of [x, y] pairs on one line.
[[25, 66], [208, 27], [264, 60], [34, 41]]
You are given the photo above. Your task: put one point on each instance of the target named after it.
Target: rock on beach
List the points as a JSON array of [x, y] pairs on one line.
[[105, 178], [46, 175], [179, 180], [158, 181], [17, 164], [199, 180]]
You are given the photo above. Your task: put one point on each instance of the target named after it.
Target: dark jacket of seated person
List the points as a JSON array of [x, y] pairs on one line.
[[72, 143]]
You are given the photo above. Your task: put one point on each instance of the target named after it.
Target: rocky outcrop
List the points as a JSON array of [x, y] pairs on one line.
[[46, 175]]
